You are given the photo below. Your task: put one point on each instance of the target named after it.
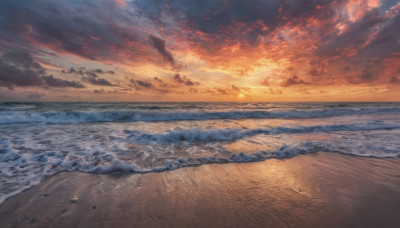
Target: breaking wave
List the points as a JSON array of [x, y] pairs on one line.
[[197, 135]]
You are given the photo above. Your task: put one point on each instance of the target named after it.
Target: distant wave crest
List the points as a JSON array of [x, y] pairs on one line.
[[156, 116]]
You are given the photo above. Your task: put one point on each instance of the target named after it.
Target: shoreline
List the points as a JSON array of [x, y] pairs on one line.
[[309, 190]]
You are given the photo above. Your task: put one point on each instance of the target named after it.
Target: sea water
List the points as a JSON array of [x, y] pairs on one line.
[[38, 140]]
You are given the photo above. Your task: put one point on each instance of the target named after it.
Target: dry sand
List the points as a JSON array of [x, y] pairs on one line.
[[313, 190]]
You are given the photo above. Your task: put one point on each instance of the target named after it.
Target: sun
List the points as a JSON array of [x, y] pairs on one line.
[[240, 95]]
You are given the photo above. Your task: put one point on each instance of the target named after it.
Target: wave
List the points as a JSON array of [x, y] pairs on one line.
[[36, 171], [17, 107], [197, 135], [154, 116]]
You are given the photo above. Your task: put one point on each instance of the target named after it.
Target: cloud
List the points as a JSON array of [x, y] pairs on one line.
[[90, 76], [235, 88], [345, 69], [159, 45], [79, 71], [176, 84], [265, 82], [193, 90], [315, 72], [312, 40], [58, 25], [57, 82], [364, 77], [160, 82], [95, 80], [155, 85], [274, 92], [367, 76], [221, 91], [20, 69], [394, 80], [294, 80], [184, 80], [141, 84]]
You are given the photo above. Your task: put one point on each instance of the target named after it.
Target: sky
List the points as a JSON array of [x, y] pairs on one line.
[[209, 50]]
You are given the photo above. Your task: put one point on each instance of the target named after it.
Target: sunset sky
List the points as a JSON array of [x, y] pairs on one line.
[[191, 50]]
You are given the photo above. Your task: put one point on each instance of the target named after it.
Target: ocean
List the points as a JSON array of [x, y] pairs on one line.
[[38, 140]]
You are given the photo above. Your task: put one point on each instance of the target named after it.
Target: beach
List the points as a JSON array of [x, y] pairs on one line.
[[312, 190], [221, 113]]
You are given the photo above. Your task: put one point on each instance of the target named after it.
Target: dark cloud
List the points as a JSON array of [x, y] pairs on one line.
[[265, 82], [294, 80], [80, 71], [160, 82], [57, 82], [385, 35], [355, 38], [176, 84], [274, 92], [98, 71], [141, 84], [83, 28], [184, 80], [221, 91], [367, 76], [90, 76], [155, 85], [394, 80], [20, 69], [95, 80], [210, 91], [364, 77], [258, 17], [235, 88], [315, 72], [372, 37], [159, 45], [100, 30], [345, 69]]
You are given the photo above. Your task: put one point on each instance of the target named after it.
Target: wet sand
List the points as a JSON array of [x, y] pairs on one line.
[[313, 190]]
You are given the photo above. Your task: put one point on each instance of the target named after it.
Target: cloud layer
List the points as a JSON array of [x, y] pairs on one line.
[[279, 48]]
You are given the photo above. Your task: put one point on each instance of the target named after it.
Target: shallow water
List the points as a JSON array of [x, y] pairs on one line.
[[38, 140]]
